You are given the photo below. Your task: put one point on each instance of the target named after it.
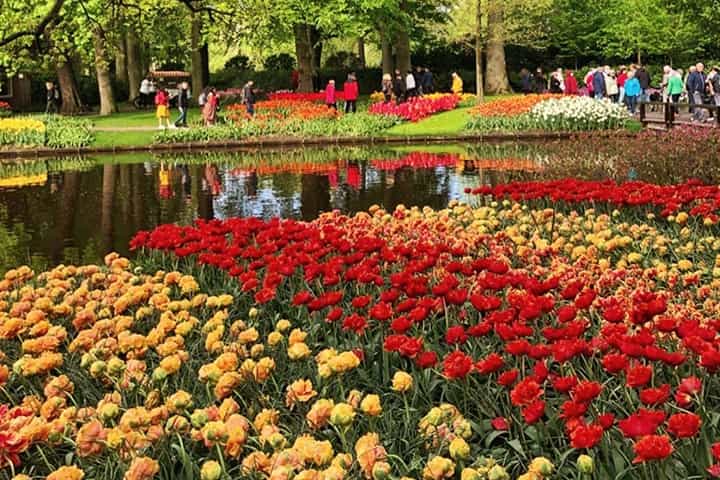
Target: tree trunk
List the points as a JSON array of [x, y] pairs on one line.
[[496, 78], [317, 47], [402, 51], [105, 88], [106, 208], [134, 65], [387, 55], [402, 45], [361, 52], [304, 54], [205, 65], [69, 92], [121, 69], [196, 44], [480, 91]]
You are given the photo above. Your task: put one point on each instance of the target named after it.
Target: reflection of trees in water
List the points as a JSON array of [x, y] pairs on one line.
[[106, 215], [314, 196], [65, 208]]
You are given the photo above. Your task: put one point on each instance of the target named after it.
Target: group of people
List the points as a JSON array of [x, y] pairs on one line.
[[624, 85], [415, 83], [208, 101], [630, 85], [351, 92], [162, 106]]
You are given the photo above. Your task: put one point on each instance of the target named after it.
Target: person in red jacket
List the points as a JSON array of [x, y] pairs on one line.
[[571, 85], [330, 99], [351, 91]]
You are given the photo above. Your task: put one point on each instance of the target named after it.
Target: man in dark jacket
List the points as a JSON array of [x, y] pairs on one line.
[[644, 78], [52, 98], [399, 87], [599, 83], [428, 84], [183, 103], [696, 90], [418, 75]]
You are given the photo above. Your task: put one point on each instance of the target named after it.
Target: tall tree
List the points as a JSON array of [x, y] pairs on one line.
[[496, 78]]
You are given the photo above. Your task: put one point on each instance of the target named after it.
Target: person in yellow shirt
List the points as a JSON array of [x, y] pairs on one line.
[[457, 84]]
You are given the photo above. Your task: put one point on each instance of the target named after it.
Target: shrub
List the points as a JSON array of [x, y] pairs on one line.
[[67, 132], [355, 125]]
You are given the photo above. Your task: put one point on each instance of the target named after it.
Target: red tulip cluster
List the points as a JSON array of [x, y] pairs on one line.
[[701, 200], [593, 353], [417, 108], [303, 97]]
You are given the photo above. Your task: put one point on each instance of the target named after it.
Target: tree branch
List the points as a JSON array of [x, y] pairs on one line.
[[40, 29]]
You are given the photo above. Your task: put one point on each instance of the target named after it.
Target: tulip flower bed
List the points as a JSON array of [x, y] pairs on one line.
[[317, 97], [417, 108], [281, 109], [547, 113], [496, 341], [5, 109], [52, 131]]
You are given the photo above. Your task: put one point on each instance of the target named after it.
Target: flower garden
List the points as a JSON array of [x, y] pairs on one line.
[[548, 113], [549, 329]]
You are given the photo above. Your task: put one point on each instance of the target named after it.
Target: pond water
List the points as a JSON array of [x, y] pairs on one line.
[[74, 210]]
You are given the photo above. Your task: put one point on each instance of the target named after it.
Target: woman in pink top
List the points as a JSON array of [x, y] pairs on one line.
[[330, 99]]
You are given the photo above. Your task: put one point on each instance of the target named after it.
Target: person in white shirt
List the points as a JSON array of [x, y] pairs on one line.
[[410, 86], [146, 87]]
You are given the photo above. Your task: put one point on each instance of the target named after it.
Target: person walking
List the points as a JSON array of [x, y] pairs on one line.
[[632, 91], [457, 84], [248, 97], [526, 81], [571, 85], [418, 75], [539, 82], [675, 89], [410, 85], [162, 108], [428, 83], [621, 79], [667, 70], [588, 80], [598, 83], [146, 92], [399, 88], [209, 112], [644, 78], [52, 98], [611, 88], [696, 89], [330, 99], [713, 81], [351, 91], [556, 82], [183, 104], [686, 83], [387, 87]]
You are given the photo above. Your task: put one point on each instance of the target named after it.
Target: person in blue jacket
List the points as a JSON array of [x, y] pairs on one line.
[[632, 91], [599, 83]]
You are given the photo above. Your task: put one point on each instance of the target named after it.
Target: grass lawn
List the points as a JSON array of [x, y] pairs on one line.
[[117, 139], [445, 123], [137, 119]]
